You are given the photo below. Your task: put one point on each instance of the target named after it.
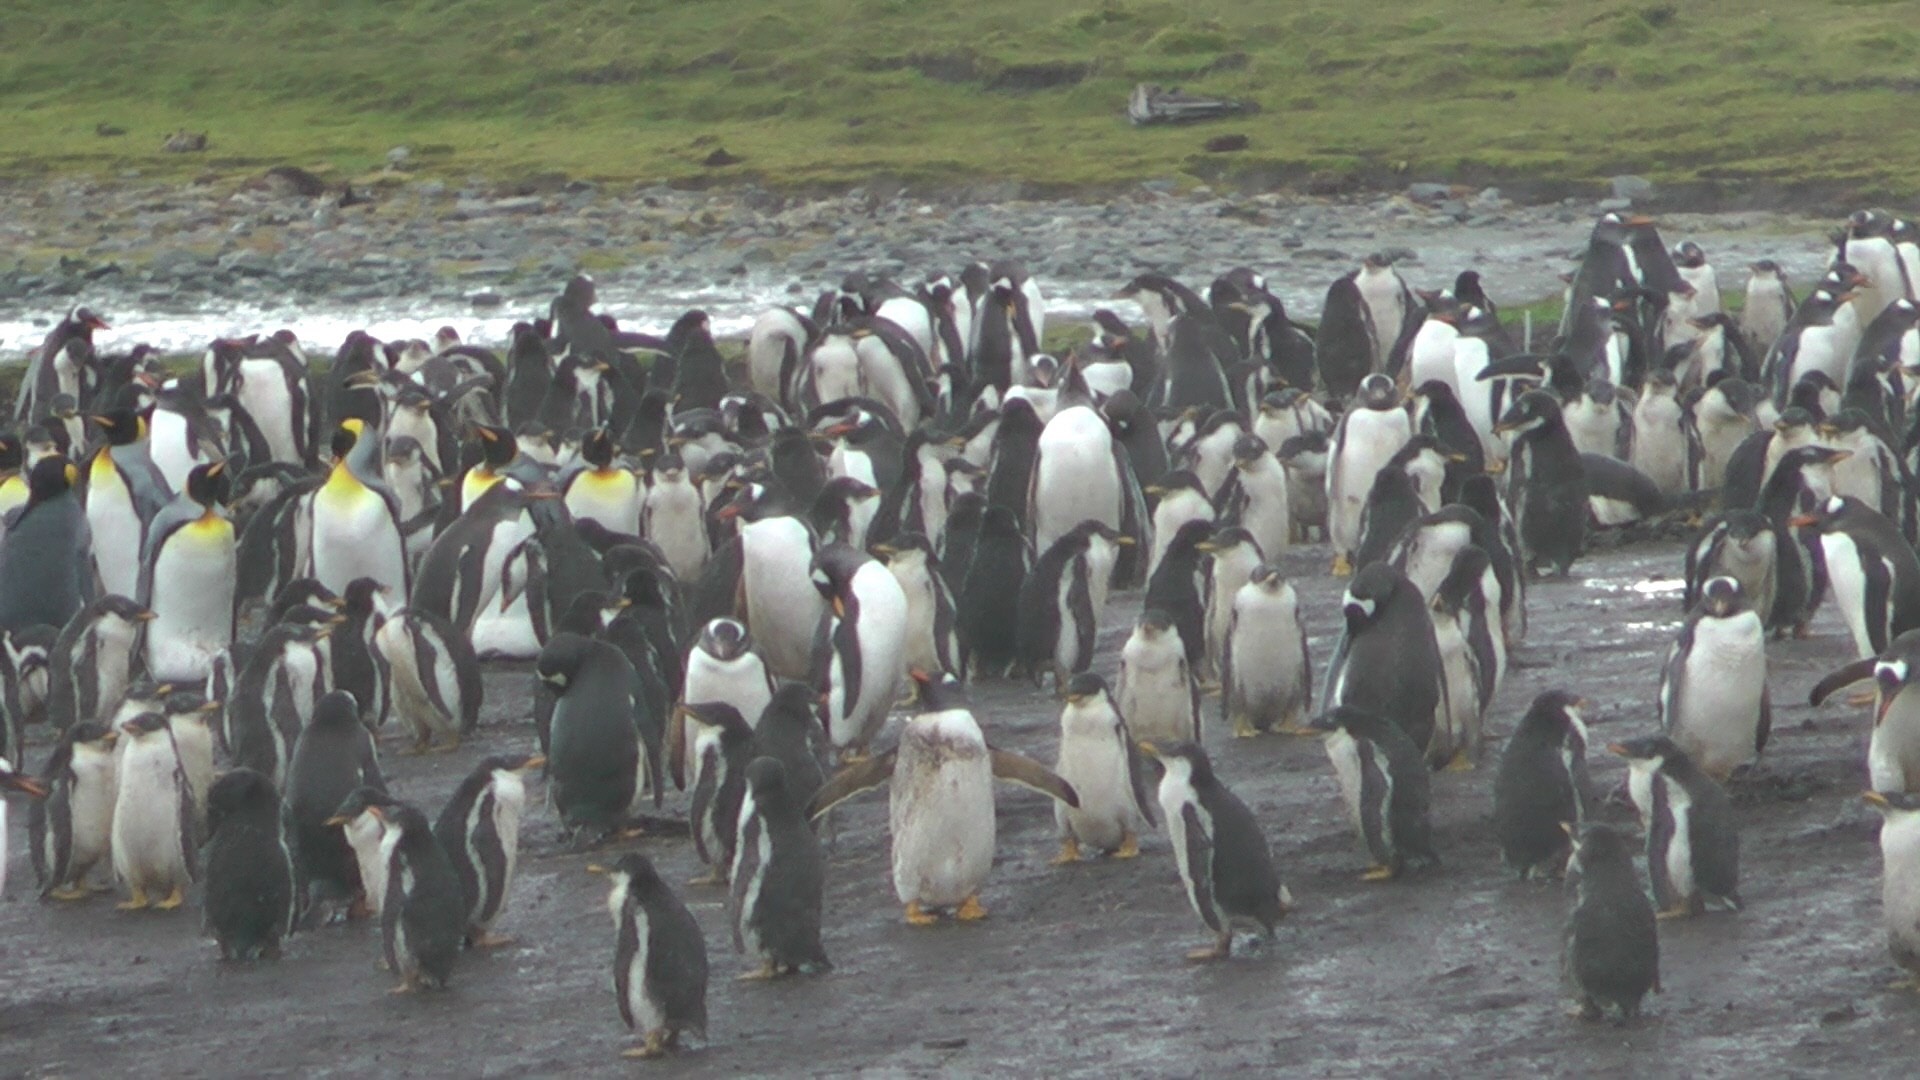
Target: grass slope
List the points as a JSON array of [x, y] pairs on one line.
[[832, 92]]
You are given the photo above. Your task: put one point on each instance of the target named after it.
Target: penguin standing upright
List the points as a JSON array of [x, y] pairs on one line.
[[1260, 504], [778, 877], [600, 490], [1080, 472], [1769, 305], [1542, 783], [602, 753], [46, 555], [367, 834], [423, 917], [1361, 323], [783, 610], [1181, 500], [433, 676], [1473, 654], [1900, 877], [859, 644], [1612, 954], [989, 601], [251, 898], [1553, 511], [1388, 662], [333, 756], [153, 831], [353, 517], [1265, 672], [1693, 842], [479, 829], [673, 516], [1871, 569], [932, 637], [723, 666], [187, 579], [1232, 556], [1099, 757], [1158, 693], [1385, 784], [70, 831], [1713, 691], [723, 744], [93, 660], [1370, 433], [13, 781], [1223, 856], [124, 490], [659, 958], [1659, 437]]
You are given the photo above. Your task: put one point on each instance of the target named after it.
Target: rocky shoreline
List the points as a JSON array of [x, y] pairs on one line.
[[190, 255]]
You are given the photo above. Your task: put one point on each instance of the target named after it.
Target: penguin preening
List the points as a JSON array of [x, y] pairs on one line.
[[778, 877]]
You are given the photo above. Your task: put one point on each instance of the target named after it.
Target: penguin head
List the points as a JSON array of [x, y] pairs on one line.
[[940, 692], [144, 726], [588, 613], [206, 484], [719, 715], [1267, 578], [1249, 451], [359, 801], [1153, 624], [1893, 673], [1356, 722], [498, 447], [240, 791], [1533, 410], [346, 436], [793, 699], [1598, 848], [1560, 711], [1689, 255], [1722, 598], [767, 779], [302, 592], [1086, 688], [121, 610], [52, 476], [1372, 588], [725, 639], [187, 706], [1649, 753], [1182, 761], [337, 710], [634, 876], [1379, 393], [1233, 537]]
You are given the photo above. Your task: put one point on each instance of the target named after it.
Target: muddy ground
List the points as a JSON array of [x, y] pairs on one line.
[[1079, 970]]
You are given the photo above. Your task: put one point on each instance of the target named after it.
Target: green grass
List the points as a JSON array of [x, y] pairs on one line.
[[830, 93]]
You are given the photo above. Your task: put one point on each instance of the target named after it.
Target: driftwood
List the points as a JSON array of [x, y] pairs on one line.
[[1152, 104]]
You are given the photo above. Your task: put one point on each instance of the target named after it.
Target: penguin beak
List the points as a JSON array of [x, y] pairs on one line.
[[1802, 521], [1124, 541], [1874, 798], [26, 785], [839, 608], [146, 616], [102, 421], [532, 763], [596, 868], [363, 379], [335, 821], [1617, 748], [1149, 749]]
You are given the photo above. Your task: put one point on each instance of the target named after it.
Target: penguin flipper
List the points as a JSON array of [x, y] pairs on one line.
[[1765, 728], [1023, 770], [1845, 676], [1137, 778], [1200, 865], [861, 776]]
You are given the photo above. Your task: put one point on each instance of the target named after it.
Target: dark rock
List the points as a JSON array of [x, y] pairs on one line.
[[1226, 144], [720, 158], [108, 131], [185, 142], [294, 180], [1428, 193]]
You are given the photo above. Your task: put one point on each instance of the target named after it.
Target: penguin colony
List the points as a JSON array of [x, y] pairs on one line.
[[222, 591]]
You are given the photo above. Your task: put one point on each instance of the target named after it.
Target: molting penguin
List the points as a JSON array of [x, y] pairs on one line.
[[1099, 758], [187, 579], [423, 917], [673, 517], [1552, 513], [46, 556], [1265, 672], [1159, 695], [602, 752], [1542, 785], [1612, 955], [1693, 843], [1385, 784], [1713, 692], [859, 646], [1659, 437], [1369, 435], [1900, 878], [1181, 500], [989, 602], [1260, 501], [250, 900], [333, 756], [70, 831], [659, 958], [479, 829], [1387, 663], [941, 812], [778, 877], [1223, 856], [1769, 305], [93, 661], [153, 831]]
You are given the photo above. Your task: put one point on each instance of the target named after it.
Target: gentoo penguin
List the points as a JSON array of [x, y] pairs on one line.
[[1741, 546], [1693, 842], [1260, 501], [1713, 691], [1893, 752], [932, 637], [153, 830], [1061, 601], [1100, 759], [367, 834], [1659, 437], [26, 675], [1305, 459], [1900, 878], [188, 573], [250, 898], [1158, 693], [1542, 784], [1016, 446], [1080, 472], [1232, 555], [659, 958], [778, 878], [262, 713], [1393, 503], [723, 744], [1223, 856], [1174, 589], [70, 830], [600, 490], [424, 916], [859, 646], [1181, 499], [1464, 610], [1384, 782], [1799, 575], [1612, 954], [723, 666], [1371, 432], [1387, 663], [479, 829], [334, 755], [433, 675], [989, 600], [94, 659], [941, 807], [1265, 673], [1552, 512], [673, 516], [13, 781], [46, 556], [1871, 570], [1361, 322], [1872, 472], [1769, 305], [1814, 341], [1719, 420], [602, 752], [782, 607]]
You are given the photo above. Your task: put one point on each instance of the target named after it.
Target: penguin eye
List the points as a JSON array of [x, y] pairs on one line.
[[555, 680]]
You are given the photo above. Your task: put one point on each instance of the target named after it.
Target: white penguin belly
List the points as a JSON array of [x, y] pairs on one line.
[[1269, 676], [740, 682], [1893, 752], [1900, 886], [881, 639], [1094, 762], [192, 602], [365, 834], [1431, 356], [147, 850], [783, 608], [170, 445], [1344, 752], [117, 532], [1369, 439], [676, 522], [1849, 587], [918, 649], [1174, 511], [505, 633], [354, 536], [1074, 478], [1658, 449], [263, 393], [943, 825], [1679, 853], [90, 810], [1155, 699], [1460, 707]]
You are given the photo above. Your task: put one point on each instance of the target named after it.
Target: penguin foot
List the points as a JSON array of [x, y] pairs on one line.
[[1129, 846], [452, 744], [1219, 950], [1293, 727], [1243, 728], [1378, 873], [174, 899], [766, 972], [1069, 852], [1860, 698], [490, 940], [1342, 566], [137, 902], [1460, 762], [69, 893], [1678, 911], [406, 987], [655, 1046], [918, 917], [711, 877], [970, 910], [361, 908]]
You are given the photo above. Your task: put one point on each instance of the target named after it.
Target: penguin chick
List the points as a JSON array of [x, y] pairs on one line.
[[423, 918], [1385, 782], [26, 785], [1900, 878], [1693, 843], [1713, 692], [659, 958], [722, 746], [70, 830], [1158, 694], [334, 755], [479, 829], [250, 885], [1099, 758], [1265, 669], [1612, 955], [1542, 784], [153, 831], [778, 878], [1217, 843], [367, 834]]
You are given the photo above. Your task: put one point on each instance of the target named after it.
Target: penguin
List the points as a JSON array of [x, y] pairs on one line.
[[1552, 513], [1393, 506], [659, 958], [190, 716], [600, 490], [333, 756], [1542, 785], [1473, 656], [845, 511], [778, 877], [1158, 693], [989, 600], [1174, 589], [1799, 577], [932, 636], [1080, 472], [1739, 546], [1899, 875], [1814, 341], [1261, 495], [1101, 761], [1659, 436], [46, 554], [1265, 669], [250, 894], [1361, 322], [94, 659], [672, 515], [1871, 472], [1369, 435], [1223, 857], [1693, 842], [1893, 749], [723, 666], [1384, 781], [433, 677], [26, 785], [941, 809], [602, 752], [70, 830], [1388, 661], [262, 714], [1305, 459], [479, 829], [1872, 570], [188, 572], [152, 843], [1232, 554], [424, 916], [354, 519], [1718, 421], [1769, 305], [367, 834], [1612, 951], [1134, 429], [1209, 449], [723, 744], [59, 365], [782, 608], [356, 667], [25, 680], [1062, 598], [1181, 500], [1713, 691], [785, 731]]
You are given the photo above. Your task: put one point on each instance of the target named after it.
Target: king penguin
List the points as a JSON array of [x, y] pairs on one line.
[[46, 556], [124, 490], [778, 878], [602, 491], [659, 958], [1223, 856], [355, 520], [1542, 783], [1100, 759], [250, 897], [1693, 841], [479, 829], [187, 578]]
